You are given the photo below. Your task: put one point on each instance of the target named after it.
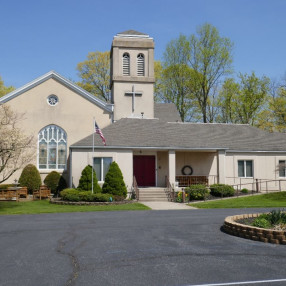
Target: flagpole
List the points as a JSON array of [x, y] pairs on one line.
[[93, 131]]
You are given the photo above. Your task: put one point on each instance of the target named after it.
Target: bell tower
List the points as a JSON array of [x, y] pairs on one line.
[[132, 75]]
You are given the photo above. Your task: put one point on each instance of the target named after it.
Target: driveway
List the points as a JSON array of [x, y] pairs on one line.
[[177, 247]]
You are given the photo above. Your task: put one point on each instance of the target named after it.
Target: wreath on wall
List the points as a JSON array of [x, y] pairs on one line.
[[187, 170]]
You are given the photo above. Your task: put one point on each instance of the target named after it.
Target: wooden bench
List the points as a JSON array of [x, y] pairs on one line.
[[23, 192], [43, 193], [9, 195]]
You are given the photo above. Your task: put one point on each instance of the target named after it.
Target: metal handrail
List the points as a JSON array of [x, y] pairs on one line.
[[169, 189], [135, 188]]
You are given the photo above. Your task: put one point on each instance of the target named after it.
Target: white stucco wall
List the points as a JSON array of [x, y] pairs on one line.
[[82, 158], [73, 113]]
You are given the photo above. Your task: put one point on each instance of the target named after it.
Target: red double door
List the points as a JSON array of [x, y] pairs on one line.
[[144, 170]]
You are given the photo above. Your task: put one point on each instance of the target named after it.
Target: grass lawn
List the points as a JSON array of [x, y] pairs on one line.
[[37, 207], [257, 201]]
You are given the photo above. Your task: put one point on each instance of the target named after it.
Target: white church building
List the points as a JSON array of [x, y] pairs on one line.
[[146, 139]]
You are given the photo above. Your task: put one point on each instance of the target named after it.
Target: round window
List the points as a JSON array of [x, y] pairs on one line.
[[53, 100]]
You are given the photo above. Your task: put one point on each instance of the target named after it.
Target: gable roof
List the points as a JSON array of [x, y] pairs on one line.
[[157, 134], [62, 80], [166, 112]]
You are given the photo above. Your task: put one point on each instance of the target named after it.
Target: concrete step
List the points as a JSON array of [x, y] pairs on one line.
[[152, 194]]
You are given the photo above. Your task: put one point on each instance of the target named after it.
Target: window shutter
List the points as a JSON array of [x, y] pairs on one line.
[[140, 65], [126, 64]]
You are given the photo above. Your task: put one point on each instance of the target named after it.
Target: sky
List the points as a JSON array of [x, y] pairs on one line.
[[38, 36]]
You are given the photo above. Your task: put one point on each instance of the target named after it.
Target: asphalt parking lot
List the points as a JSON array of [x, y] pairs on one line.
[[177, 247]]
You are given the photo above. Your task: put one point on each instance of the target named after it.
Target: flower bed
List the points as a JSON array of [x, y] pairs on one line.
[[234, 227], [61, 202]]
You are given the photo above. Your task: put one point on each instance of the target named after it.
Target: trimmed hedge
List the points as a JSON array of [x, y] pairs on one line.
[[55, 182], [114, 183], [30, 178], [222, 190], [86, 179], [197, 192], [5, 186], [73, 195]]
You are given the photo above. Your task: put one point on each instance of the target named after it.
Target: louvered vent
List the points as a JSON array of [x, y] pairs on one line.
[[126, 64], [140, 65]]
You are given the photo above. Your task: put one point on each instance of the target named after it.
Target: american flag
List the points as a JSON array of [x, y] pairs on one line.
[[98, 131]]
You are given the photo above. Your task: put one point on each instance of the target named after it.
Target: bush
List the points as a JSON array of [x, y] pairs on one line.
[[5, 186], [114, 183], [245, 191], [197, 192], [74, 195], [30, 178], [222, 190], [261, 222], [276, 217], [86, 179], [70, 195], [55, 182]]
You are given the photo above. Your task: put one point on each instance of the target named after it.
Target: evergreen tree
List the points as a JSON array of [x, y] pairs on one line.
[[114, 183], [30, 178], [86, 179], [55, 182]]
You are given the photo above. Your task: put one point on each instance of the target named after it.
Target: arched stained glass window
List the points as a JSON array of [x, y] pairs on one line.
[[52, 146], [126, 64], [140, 65]]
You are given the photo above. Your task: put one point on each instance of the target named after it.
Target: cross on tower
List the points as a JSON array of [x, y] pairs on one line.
[[133, 94]]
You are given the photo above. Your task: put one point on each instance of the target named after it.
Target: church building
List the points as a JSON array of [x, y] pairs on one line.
[[147, 139]]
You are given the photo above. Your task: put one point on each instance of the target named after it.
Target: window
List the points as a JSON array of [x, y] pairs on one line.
[[140, 65], [101, 166], [245, 168], [52, 100], [52, 144], [282, 168], [126, 64]]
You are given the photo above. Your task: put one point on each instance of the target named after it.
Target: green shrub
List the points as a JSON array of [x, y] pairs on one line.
[[245, 191], [86, 196], [277, 217], [261, 222], [30, 178], [114, 183], [5, 186], [222, 190], [102, 197], [86, 179], [197, 192], [55, 182], [117, 198], [70, 195]]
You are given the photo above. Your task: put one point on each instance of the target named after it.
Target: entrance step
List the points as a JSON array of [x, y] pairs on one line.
[[152, 194]]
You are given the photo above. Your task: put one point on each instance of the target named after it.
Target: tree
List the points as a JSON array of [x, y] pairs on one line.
[[16, 149], [210, 59], [3, 89], [174, 78], [30, 178], [86, 179], [94, 74], [243, 101], [114, 183]]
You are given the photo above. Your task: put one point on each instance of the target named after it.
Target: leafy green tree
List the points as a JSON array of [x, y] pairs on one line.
[[243, 101], [114, 183], [30, 178], [174, 78], [210, 59], [3, 89], [85, 181], [95, 74]]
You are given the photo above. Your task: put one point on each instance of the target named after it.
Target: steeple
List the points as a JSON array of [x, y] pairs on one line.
[[132, 75]]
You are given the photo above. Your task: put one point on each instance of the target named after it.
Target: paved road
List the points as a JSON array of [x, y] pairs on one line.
[[178, 247]]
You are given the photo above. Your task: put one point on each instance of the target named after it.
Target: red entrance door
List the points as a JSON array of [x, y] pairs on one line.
[[144, 170]]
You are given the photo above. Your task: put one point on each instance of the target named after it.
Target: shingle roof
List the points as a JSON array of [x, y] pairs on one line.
[[167, 112], [149, 133]]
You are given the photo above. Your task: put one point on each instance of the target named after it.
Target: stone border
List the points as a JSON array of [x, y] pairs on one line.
[[60, 202], [250, 232]]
